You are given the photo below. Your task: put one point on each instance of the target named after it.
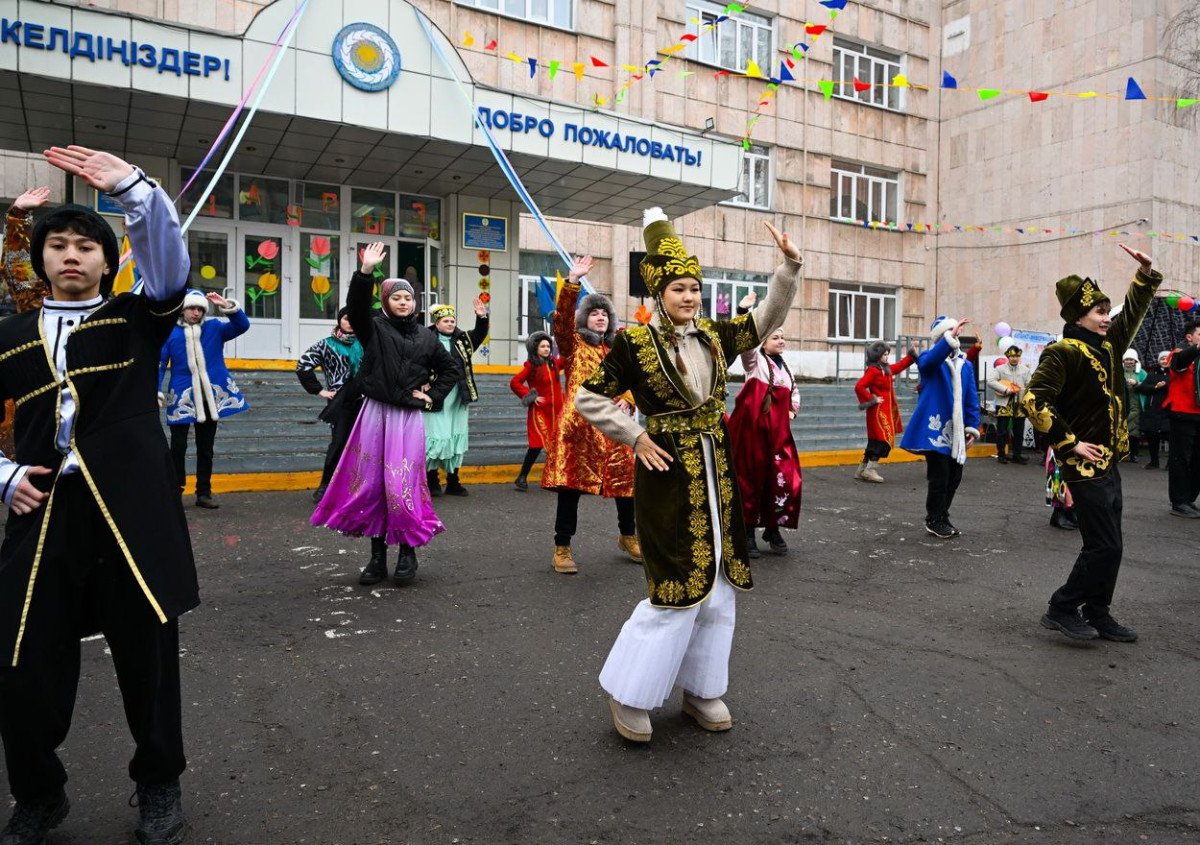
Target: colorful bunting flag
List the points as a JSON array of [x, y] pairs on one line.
[[988, 93], [834, 4], [1182, 104], [468, 41], [814, 28], [753, 70], [861, 86], [1133, 91], [948, 81], [532, 67], [1037, 96], [900, 80], [554, 68], [826, 87], [785, 75], [597, 63], [491, 45]]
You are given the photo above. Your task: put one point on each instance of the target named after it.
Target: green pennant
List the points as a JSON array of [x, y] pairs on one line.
[[797, 54], [1183, 104], [988, 93], [833, 15], [827, 87], [553, 68]]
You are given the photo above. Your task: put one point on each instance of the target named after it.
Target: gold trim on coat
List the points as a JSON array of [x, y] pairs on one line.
[[22, 348], [37, 559]]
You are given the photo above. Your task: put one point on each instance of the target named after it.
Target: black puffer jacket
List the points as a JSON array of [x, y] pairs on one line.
[[399, 354]]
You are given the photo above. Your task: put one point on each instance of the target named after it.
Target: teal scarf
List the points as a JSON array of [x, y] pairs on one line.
[[347, 346]]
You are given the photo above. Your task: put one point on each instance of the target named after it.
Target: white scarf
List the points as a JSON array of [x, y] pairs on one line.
[[958, 442], [202, 392]]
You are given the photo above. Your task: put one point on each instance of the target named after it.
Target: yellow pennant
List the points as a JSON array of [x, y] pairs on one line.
[[468, 40], [752, 69]]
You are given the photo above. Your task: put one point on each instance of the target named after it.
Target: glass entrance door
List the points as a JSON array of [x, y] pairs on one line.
[[264, 285]]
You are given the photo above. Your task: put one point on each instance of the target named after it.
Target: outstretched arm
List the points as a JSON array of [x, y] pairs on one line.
[[150, 218]]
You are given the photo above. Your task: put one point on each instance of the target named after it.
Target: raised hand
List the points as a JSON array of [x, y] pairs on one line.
[[216, 299], [372, 257], [103, 171], [480, 308], [786, 246], [581, 267], [31, 199], [747, 301], [1141, 257], [957, 330]]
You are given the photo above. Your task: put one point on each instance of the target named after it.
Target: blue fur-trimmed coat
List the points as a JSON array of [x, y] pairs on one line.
[[930, 429], [179, 397]]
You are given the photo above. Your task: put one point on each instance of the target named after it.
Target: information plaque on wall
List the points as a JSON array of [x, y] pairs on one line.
[[485, 231]]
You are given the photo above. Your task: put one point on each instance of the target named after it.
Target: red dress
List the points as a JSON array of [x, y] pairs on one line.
[[543, 414], [764, 453], [883, 418]]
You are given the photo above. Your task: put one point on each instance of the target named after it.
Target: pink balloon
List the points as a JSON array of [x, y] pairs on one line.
[[1002, 329], [1186, 303], [1000, 362]]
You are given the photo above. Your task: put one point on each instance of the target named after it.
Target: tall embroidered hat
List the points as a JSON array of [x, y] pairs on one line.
[[666, 259], [1078, 296], [442, 309]]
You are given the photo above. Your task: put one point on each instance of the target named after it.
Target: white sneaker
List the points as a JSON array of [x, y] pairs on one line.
[[709, 713], [630, 722]]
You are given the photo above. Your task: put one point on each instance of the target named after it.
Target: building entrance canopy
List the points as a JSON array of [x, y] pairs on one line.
[[139, 87]]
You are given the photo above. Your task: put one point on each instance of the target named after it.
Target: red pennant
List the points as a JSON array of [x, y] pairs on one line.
[[597, 63], [1038, 96], [861, 86], [815, 28], [721, 73], [790, 63], [491, 45], [688, 37]]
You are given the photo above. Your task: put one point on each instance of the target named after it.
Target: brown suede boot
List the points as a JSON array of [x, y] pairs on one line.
[[629, 544], [563, 562]]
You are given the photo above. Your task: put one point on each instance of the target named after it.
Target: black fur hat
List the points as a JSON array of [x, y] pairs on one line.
[[876, 350], [533, 342], [589, 304], [82, 221]]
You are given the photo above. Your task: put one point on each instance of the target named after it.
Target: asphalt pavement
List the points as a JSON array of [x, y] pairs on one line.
[[886, 686]]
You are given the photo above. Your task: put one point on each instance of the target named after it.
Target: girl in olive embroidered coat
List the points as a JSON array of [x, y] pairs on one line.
[[689, 513]]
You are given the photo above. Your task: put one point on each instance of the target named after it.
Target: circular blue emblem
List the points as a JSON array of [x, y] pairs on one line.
[[366, 56]]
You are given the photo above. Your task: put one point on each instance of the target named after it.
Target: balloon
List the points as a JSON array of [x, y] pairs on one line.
[[1002, 329], [1000, 362], [1186, 303], [1005, 342], [1173, 300]]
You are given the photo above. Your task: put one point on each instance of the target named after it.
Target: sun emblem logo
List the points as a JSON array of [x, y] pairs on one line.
[[366, 56]]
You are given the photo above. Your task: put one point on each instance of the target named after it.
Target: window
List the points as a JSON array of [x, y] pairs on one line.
[[859, 193], [756, 178], [217, 204], [534, 267], [733, 43], [723, 291], [861, 312], [372, 212], [553, 12], [866, 64]]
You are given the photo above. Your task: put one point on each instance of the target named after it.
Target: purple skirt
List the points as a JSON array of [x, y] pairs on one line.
[[379, 487]]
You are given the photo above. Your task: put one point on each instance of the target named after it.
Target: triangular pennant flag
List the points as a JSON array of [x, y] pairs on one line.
[[785, 75], [674, 48], [948, 81], [597, 63], [1038, 96], [532, 67], [752, 69], [514, 57], [834, 4], [861, 86], [1086, 95], [988, 93], [468, 41], [491, 45], [833, 15], [1133, 91], [814, 28], [797, 53], [554, 68], [900, 80], [1183, 104], [125, 278], [721, 73], [688, 37], [578, 67], [789, 62], [826, 87], [683, 74], [746, 144], [734, 8]]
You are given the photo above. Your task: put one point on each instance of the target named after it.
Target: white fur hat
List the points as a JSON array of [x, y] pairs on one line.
[[1131, 353], [195, 299], [1163, 356], [940, 326]]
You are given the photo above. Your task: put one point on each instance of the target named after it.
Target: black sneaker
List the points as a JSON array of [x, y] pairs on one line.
[[1071, 624], [954, 532], [30, 823], [204, 500], [319, 494], [162, 821], [1186, 510], [775, 540], [940, 528], [1109, 629], [752, 551]]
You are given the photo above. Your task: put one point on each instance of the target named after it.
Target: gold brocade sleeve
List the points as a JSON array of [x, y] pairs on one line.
[[1044, 388], [563, 324], [16, 271], [737, 335]]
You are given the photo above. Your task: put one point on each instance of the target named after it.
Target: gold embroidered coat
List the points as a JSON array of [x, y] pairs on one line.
[[678, 552], [583, 458], [1077, 393]]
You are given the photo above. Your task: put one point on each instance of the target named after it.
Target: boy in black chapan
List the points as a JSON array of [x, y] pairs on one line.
[[96, 539], [1076, 396]]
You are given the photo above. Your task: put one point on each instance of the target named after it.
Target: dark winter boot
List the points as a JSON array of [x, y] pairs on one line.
[[376, 569], [752, 551], [406, 565], [774, 539], [453, 486], [1002, 449], [435, 486], [1017, 457], [162, 821], [30, 823], [521, 483]]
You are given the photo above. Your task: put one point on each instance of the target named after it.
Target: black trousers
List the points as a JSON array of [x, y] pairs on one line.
[[1152, 444], [85, 585], [877, 450], [206, 433], [531, 456], [567, 517], [1098, 506], [1183, 464], [1010, 433], [942, 474], [338, 438]]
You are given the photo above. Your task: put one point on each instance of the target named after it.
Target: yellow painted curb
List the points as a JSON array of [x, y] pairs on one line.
[[260, 364], [258, 482]]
